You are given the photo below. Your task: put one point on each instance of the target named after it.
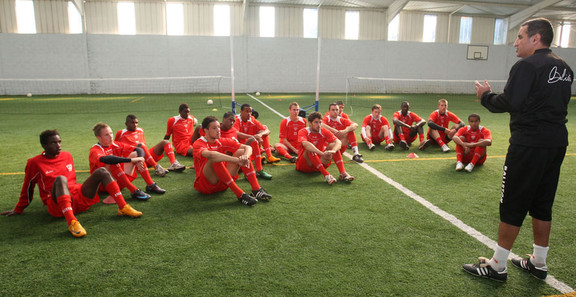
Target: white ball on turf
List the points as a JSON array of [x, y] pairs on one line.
[[29, 95], [257, 93], [209, 102]]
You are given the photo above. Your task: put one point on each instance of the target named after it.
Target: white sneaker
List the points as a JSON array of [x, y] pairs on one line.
[[459, 166], [330, 179], [160, 171], [371, 146], [469, 167], [345, 177], [445, 148], [389, 147], [176, 166]]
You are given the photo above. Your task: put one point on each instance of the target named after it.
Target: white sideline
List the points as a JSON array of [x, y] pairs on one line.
[[550, 280]]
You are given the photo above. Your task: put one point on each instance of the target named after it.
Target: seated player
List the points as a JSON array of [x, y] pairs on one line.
[[342, 128], [227, 129], [317, 147], [376, 129], [289, 128], [218, 161], [247, 125], [471, 143], [340, 110], [134, 135], [181, 128], [407, 125], [53, 172], [438, 131], [112, 154]]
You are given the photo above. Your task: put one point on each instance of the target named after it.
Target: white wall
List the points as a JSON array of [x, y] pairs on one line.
[[263, 64]]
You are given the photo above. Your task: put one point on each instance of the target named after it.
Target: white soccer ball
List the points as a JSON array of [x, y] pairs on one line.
[[257, 93], [209, 102], [29, 95]]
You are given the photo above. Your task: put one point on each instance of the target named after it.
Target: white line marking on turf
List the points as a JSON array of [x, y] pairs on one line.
[[550, 280]]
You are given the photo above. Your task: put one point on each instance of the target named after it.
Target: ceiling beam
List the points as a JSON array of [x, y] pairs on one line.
[[80, 6], [394, 9], [519, 17]]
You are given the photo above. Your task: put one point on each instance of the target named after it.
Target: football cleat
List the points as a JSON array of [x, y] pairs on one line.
[[127, 210], [459, 166], [293, 159], [263, 174], [330, 179], [261, 195], [389, 147], [160, 171], [358, 158], [483, 269], [176, 166], [345, 177], [154, 188], [76, 229], [139, 195], [424, 145], [371, 146], [445, 148], [404, 145], [247, 199], [469, 167], [272, 159], [526, 265]]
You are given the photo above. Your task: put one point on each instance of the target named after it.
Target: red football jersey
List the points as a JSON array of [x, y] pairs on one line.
[[339, 123], [222, 145], [443, 120], [473, 136], [180, 129], [319, 139], [130, 137], [116, 148], [251, 127], [42, 171], [375, 124], [289, 129]]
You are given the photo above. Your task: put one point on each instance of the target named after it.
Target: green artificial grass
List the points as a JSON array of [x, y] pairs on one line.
[[365, 238]]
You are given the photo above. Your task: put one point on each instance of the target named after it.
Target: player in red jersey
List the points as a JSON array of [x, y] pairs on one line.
[[343, 129], [438, 123], [112, 154], [471, 143], [407, 125], [227, 129], [341, 112], [376, 129], [248, 126], [219, 159], [317, 147], [181, 128], [289, 128], [134, 135], [53, 172]]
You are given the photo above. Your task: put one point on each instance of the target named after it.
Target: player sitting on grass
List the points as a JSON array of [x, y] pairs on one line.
[[343, 129], [112, 155], [289, 128], [317, 148], [247, 125], [218, 161], [407, 125], [376, 129], [53, 172], [134, 135], [438, 123], [181, 128], [471, 143]]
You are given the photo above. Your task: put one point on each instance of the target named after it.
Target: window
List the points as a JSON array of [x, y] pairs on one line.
[[352, 25], [25, 18], [465, 30], [564, 34], [394, 28], [126, 18], [74, 19], [500, 31], [429, 34], [221, 20], [267, 21], [310, 22], [174, 18]]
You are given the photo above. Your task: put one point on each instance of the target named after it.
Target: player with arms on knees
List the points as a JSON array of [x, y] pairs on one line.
[[471, 142], [181, 128], [134, 135], [53, 172], [438, 123], [289, 128], [376, 129], [317, 148], [113, 155], [218, 161], [407, 125], [254, 134], [536, 95], [342, 128]]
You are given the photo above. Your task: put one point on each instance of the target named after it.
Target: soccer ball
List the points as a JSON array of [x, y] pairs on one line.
[[209, 102], [257, 93], [29, 95]]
